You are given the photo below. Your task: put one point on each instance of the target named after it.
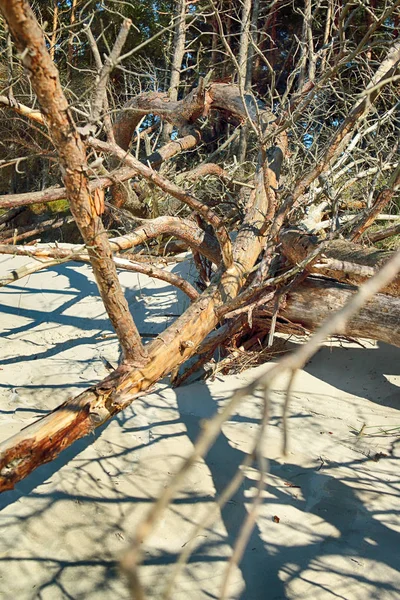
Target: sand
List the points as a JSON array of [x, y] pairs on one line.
[[64, 528]]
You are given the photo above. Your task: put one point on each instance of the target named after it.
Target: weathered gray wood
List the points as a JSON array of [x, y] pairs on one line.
[[314, 300], [296, 246]]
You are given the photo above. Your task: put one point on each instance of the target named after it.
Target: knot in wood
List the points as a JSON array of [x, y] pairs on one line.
[[184, 345]]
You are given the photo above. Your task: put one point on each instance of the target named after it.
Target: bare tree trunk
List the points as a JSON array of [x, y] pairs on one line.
[[303, 53], [309, 304], [327, 33], [340, 259], [54, 31], [177, 59], [370, 20], [45, 81], [252, 40], [70, 52], [314, 301], [46, 438], [310, 41], [243, 65]]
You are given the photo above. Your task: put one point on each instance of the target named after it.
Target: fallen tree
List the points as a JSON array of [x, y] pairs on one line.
[[340, 259], [249, 275], [313, 301]]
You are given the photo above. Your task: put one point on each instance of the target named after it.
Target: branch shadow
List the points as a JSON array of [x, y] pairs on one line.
[[269, 565], [346, 369], [363, 532]]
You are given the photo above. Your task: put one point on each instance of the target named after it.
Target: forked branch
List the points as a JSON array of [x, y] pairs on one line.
[[29, 40]]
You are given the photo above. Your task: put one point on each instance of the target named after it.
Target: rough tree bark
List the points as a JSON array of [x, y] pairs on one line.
[[341, 260], [313, 301], [177, 59], [30, 42], [76, 418], [264, 217]]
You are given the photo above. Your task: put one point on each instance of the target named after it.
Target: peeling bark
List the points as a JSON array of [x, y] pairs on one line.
[[77, 417], [183, 229], [314, 300], [296, 246], [30, 42]]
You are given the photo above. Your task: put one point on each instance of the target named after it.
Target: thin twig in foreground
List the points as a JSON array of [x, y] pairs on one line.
[[292, 362]]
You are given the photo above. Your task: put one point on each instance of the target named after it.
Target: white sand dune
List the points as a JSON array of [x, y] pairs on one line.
[[64, 528]]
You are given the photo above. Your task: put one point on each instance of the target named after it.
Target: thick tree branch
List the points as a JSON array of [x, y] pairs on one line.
[[25, 111], [174, 190], [120, 262], [46, 438], [383, 234], [183, 229], [184, 113], [312, 302], [296, 246], [30, 42], [290, 363]]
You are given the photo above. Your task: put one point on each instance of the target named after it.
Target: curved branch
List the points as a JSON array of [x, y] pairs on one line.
[[296, 246], [121, 263], [29, 41], [206, 169], [199, 240], [152, 271], [183, 229], [184, 113], [25, 111], [175, 191], [181, 113]]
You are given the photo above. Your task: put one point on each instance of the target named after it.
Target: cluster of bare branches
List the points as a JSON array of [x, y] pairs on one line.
[[270, 192]]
